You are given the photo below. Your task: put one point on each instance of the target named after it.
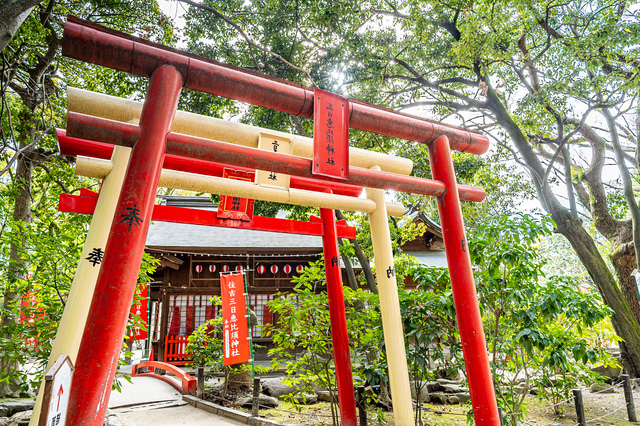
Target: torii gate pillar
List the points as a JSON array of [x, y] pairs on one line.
[[390, 310], [339, 335], [102, 339], [474, 349]]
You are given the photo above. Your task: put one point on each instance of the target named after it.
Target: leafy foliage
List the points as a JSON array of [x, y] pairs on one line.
[[204, 347], [536, 326], [302, 334]]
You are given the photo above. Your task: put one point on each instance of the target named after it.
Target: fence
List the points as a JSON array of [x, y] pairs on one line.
[[174, 350]]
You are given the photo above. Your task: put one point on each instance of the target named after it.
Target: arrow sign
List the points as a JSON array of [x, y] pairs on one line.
[[55, 401], [60, 392]]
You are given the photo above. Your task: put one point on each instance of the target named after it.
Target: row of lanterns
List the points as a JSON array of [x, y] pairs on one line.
[[261, 269]]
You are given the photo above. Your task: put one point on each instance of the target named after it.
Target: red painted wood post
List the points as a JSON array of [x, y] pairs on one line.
[[102, 339], [483, 400], [339, 335]]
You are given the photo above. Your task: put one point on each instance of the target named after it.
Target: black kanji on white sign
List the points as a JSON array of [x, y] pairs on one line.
[[95, 257]]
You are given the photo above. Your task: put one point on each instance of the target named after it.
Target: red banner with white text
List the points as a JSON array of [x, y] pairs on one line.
[[140, 308], [234, 319]]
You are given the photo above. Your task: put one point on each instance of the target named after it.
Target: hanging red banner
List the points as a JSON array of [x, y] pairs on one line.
[[234, 319], [330, 136], [140, 308]]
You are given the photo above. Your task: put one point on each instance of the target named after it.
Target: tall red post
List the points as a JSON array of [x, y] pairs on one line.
[[339, 335], [474, 349], [102, 339]]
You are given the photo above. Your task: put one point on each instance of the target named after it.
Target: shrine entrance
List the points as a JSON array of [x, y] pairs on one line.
[[159, 137]]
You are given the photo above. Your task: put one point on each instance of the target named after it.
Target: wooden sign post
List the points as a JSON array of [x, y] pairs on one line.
[[56, 393]]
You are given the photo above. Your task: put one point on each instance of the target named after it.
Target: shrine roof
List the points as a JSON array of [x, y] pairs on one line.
[[208, 238], [165, 234]]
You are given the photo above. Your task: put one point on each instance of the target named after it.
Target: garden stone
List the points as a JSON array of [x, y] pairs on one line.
[[424, 393], [111, 419], [434, 387], [463, 397], [306, 398], [454, 388], [9, 408], [453, 400], [446, 382], [275, 387], [597, 387], [438, 398], [20, 418], [325, 396], [610, 371], [534, 391], [520, 390], [267, 401]]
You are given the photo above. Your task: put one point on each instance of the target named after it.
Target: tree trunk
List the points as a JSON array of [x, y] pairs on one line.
[[364, 261], [623, 320], [11, 297], [12, 14], [623, 258]]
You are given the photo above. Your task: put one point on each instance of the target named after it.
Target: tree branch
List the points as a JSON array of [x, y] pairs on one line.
[[250, 42]]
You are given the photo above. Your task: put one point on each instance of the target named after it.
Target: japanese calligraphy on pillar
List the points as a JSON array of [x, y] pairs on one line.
[[95, 257], [273, 144], [234, 319], [140, 308], [330, 136], [236, 207]]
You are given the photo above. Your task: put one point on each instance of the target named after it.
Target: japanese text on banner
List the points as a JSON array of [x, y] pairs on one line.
[[234, 319]]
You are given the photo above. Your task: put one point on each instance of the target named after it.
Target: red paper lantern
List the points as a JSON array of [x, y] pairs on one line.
[[299, 269], [225, 268], [198, 268], [239, 268], [261, 269], [287, 269], [274, 269], [212, 268]]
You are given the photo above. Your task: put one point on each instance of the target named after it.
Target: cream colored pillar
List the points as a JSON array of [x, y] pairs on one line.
[[75, 313], [390, 310]]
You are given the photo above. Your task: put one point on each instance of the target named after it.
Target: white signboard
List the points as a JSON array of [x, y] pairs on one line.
[[273, 144], [56, 393]]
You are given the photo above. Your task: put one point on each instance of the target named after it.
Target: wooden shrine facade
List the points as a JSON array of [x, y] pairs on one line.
[[191, 259]]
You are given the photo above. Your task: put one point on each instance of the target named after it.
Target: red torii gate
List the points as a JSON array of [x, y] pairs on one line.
[[169, 70]]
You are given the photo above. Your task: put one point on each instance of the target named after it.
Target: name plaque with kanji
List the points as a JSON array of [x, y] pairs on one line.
[[330, 136], [236, 207], [273, 144]]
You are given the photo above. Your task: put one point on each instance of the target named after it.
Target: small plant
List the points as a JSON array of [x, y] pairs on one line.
[[203, 347], [303, 340]]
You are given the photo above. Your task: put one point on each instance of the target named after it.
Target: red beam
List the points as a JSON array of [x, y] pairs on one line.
[[118, 133], [90, 42], [87, 204], [74, 147]]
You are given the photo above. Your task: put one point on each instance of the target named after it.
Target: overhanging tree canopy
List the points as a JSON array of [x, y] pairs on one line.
[[555, 83]]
